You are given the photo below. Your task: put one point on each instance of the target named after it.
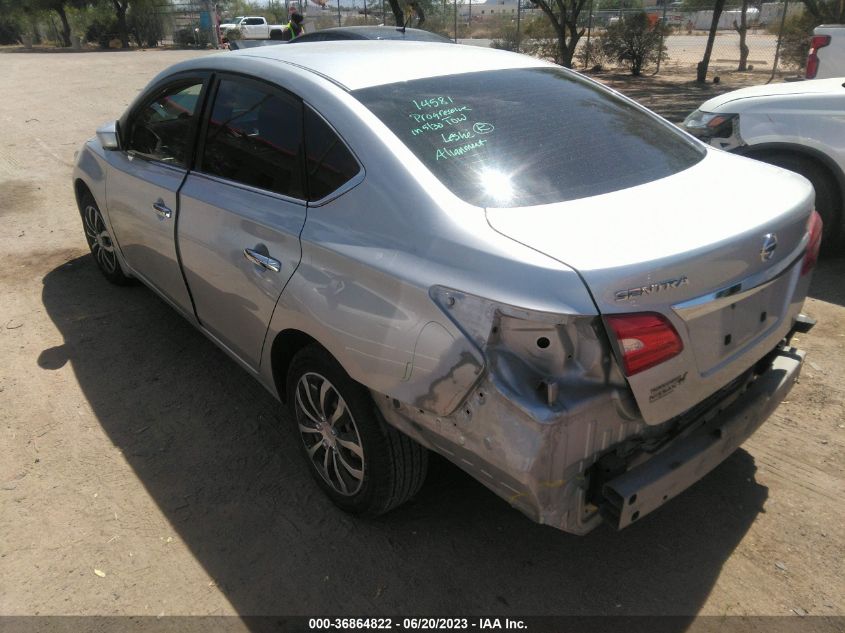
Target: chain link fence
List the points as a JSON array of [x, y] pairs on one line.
[[515, 23], [686, 35], [519, 25]]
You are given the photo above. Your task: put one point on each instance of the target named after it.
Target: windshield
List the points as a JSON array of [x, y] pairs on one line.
[[523, 137]]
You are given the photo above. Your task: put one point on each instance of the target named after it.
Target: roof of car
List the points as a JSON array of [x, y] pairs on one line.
[[358, 64], [373, 33]]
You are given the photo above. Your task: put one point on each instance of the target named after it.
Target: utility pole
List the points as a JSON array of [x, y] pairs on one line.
[[470, 20], [780, 37], [662, 34], [589, 34]]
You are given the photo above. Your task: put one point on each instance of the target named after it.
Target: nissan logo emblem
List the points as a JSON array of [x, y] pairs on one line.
[[770, 243]]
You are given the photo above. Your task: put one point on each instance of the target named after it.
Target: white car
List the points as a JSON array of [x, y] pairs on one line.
[[798, 126], [253, 28]]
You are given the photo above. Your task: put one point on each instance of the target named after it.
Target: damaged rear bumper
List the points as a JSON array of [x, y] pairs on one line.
[[646, 487]]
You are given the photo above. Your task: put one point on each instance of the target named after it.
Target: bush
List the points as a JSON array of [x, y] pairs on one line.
[[592, 55], [508, 41], [145, 25], [188, 38], [10, 31], [635, 42], [795, 41], [540, 40], [101, 32]]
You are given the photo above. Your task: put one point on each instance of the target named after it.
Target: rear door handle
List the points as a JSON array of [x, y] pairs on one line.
[[263, 260], [162, 209]]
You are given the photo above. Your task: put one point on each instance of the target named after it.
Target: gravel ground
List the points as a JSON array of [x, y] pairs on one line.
[[144, 473]]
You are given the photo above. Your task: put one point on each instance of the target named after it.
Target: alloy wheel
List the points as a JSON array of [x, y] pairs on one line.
[[99, 239], [329, 433]]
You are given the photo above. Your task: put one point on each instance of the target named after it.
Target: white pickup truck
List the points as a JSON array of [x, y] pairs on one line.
[[253, 28], [827, 52]]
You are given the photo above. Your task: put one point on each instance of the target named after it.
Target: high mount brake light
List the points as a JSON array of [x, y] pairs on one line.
[[811, 255], [818, 41], [645, 339]]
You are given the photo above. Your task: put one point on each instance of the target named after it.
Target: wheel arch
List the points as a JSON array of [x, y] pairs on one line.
[[286, 345], [80, 188]]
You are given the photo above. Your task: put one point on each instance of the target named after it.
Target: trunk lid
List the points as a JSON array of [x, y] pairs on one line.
[[716, 249]]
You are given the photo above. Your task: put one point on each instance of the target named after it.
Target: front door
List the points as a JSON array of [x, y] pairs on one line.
[[142, 191], [242, 211]]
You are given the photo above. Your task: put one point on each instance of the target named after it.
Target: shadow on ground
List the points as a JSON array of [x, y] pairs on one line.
[[220, 459], [671, 99], [829, 278]]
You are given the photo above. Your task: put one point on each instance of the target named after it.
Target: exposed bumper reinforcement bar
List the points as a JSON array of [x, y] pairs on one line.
[[646, 487]]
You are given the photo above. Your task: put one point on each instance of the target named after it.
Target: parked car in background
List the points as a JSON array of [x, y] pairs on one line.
[[239, 45], [371, 33], [350, 33], [797, 125], [253, 28], [827, 52], [462, 250]]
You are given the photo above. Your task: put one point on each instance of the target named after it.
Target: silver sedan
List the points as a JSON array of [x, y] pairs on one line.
[[427, 247]]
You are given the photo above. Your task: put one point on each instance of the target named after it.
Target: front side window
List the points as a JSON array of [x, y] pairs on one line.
[[523, 137], [328, 161], [254, 137], [161, 129]]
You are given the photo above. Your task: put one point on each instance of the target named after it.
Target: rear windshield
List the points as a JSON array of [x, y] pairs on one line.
[[523, 137]]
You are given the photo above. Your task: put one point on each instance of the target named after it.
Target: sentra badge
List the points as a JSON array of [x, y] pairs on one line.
[[650, 289]]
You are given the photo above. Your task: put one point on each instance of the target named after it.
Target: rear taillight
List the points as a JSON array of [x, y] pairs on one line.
[[645, 339], [811, 255], [818, 41]]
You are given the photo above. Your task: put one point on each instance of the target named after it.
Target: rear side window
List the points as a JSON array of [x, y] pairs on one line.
[[254, 137], [328, 161], [523, 137]]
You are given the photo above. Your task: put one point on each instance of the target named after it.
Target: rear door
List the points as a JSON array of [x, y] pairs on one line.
[[144, 182], [242, 211]]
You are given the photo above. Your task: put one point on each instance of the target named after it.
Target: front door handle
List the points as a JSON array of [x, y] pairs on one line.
[[162, 209], [264, 261]]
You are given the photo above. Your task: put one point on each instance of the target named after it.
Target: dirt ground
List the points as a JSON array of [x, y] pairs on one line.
[[144, 473]]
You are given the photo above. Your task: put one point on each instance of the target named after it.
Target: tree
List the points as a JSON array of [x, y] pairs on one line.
[[826, 11], [635, 42], [145, 23], [398, 12], [31, 7], [701, 71], [742, 29], [563, 16], [120, 8]]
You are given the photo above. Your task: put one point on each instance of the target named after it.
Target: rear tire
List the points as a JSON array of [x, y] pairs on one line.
[[100, 242], [276, 35], [828, 200], [364, 465]]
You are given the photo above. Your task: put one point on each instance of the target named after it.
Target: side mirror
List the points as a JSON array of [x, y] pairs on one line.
[[107, 135]]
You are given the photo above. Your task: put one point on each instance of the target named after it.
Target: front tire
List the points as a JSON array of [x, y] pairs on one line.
[[364, 465], [100, 242]]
